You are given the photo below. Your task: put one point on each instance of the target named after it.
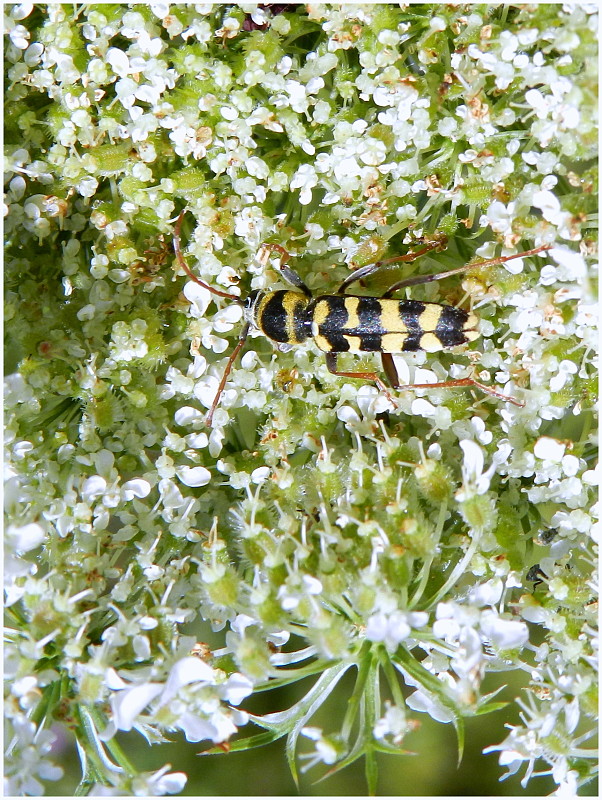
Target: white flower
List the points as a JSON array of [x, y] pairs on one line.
[[159, 783], [420, 701], [305, 178], [327, 750], [137, 487], [474, 479], [504, 634], [487, 594], [194, 476], [372, 151], [19, 36], [572, 265], [394, 627], [226, 318], [549, 449], [94, 486], [28, 762], [394, 724], [500, 217], [127, 702], [23, 538], [549, 205]]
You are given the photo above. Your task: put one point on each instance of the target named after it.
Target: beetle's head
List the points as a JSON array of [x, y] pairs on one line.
[[250, 305]]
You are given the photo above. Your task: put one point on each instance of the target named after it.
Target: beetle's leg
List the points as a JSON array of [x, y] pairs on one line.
[[490, 262], [331, 363], [390, 369], [463, 382], [391, 373], [370, 269], [287, 273], [241, 340]]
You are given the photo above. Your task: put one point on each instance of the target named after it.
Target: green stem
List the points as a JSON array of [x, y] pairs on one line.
[[426, 569], [457, 572], [113, 746], [391, 677], [364, 666]]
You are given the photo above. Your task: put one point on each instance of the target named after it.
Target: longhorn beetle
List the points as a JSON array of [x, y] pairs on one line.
[[343, 323]]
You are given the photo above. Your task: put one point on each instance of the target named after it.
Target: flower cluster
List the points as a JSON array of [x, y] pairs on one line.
[[318, 526]]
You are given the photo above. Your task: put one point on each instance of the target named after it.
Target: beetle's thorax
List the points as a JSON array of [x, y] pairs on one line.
[[281, 315]]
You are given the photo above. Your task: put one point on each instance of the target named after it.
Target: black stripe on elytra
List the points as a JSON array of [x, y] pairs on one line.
[[450, 327], [331, 328], [410, 311], [369, 329]]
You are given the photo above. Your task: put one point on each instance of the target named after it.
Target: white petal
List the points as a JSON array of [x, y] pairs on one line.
[[198, 296], [128, 703], [172, 783], [549, 449], [137, 487], [422, 408], [195, 728], [94, 486], [504, 633], [26, 537], [260, 474], [186, 415], [473, 457], [194, 476], [120, 63], [236, 688], [186, 670], [113, 680], [569, 259]]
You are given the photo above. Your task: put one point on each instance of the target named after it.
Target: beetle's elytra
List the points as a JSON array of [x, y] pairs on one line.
[[344, 323], [356, 324]]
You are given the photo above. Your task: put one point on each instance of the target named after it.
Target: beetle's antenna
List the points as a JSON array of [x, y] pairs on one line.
[[189, 272], [490, 262], [242, 339], [233, 297]]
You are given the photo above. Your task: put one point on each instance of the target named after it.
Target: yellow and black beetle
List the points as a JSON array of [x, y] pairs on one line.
[[344, 323]]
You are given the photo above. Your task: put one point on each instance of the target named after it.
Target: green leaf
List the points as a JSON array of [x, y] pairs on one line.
[[489, 708], [292, 720], [460, 731], [247, 743]]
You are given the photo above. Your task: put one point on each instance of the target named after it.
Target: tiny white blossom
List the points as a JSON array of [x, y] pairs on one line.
[[393, 628], [305, 178], [475, 479], [420, 701]]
